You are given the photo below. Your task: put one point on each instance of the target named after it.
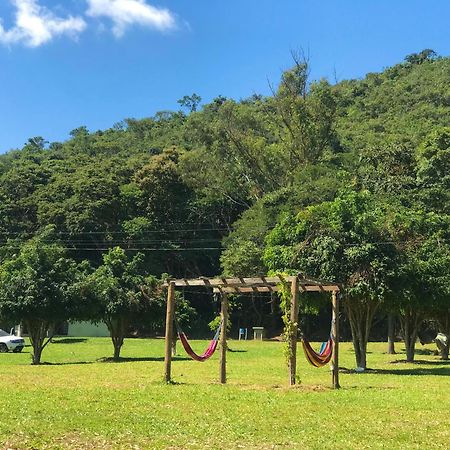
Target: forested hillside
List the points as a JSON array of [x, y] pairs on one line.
[[348, 182]]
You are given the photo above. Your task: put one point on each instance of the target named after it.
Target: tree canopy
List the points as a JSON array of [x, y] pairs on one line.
[[347, 181]]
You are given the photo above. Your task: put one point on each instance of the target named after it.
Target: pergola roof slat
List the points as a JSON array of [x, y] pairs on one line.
[[254, 284], [246, 290]]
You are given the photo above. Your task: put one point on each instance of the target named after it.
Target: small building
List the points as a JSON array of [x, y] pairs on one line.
[[87, 329]]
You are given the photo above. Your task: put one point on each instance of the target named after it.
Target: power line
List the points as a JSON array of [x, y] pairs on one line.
[[132, 244], [147, 249], [75, 233], [123, 242]]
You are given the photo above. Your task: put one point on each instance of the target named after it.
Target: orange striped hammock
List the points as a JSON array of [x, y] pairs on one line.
[[321, 358]]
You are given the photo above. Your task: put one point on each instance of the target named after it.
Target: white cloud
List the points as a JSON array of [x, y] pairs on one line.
[[125, 13], [36, 25]]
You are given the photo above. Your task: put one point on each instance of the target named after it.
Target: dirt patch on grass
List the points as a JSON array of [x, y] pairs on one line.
[[74, 441], [278, 387], [69, 441], [309, 388]]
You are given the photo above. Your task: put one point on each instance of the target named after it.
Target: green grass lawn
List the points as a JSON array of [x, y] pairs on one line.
[[79, 401]]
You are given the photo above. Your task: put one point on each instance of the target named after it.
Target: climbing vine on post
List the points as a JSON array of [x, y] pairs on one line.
[[289, 307], [288, 329]]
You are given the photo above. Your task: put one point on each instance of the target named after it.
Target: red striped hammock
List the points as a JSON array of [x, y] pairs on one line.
[[318, 359], [209, 350]]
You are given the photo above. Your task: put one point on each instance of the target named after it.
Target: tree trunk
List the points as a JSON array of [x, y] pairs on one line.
[[445, 350], [391, 334], [360, 314], [37, 331], [444, 328], [410, 345], [118, 327], [174, 344], [117, 347], [274, 313], [410, 320], [258, 314], [37, 353]]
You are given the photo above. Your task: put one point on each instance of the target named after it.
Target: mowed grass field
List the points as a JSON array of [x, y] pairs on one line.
[[77, 400]]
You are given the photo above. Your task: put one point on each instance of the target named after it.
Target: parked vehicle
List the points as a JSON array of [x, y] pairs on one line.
[[10, 342]]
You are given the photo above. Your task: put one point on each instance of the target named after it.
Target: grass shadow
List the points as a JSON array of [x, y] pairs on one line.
[[142, 359], [424, 351], [23, 352], [236, 351], [441, 371], [172, 383], [368, 388], [419, 371], [351, 350], [111, 360], [69, 363], [68, 340], [423, 362]]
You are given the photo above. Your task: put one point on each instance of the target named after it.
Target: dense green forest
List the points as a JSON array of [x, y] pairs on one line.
[[348, 182]]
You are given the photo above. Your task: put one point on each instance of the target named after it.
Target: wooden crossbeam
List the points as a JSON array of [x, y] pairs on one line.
[[242, 289], [216, 282], [246, 290]]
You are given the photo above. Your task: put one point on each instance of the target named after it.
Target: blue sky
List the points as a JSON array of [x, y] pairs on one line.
[[67, 63]]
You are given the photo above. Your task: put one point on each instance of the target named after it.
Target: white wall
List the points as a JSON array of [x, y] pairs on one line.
[[87, 329]]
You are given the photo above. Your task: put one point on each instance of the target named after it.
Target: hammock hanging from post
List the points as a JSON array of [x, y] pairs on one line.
[[207, 353], [318, 359]]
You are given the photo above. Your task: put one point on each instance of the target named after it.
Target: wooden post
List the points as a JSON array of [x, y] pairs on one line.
[[170, 312], [223, 338], [293, 340], [335, 336]]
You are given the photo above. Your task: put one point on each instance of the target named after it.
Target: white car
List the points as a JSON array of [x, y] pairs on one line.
[[10, 342]]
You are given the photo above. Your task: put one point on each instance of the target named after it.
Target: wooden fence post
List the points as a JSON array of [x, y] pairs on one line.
[[293, 338], [335, 336], [223, 337], [170, 312]]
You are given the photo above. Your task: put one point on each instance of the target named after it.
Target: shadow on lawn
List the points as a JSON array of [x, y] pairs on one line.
[[111, 360], [68, 340], [69, 363], [424, 370], [444, 371], [423, 351], [140, 359]]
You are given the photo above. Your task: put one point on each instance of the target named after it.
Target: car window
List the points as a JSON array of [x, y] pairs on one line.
[[3, 333]]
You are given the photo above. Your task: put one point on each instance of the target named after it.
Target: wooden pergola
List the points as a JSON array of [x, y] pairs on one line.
[[240, 285]]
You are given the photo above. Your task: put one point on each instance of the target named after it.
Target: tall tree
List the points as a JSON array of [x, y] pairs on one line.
[[344, 241], [419, 284], [121, 294], [190, 102], [433, 171], [40, 287]]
